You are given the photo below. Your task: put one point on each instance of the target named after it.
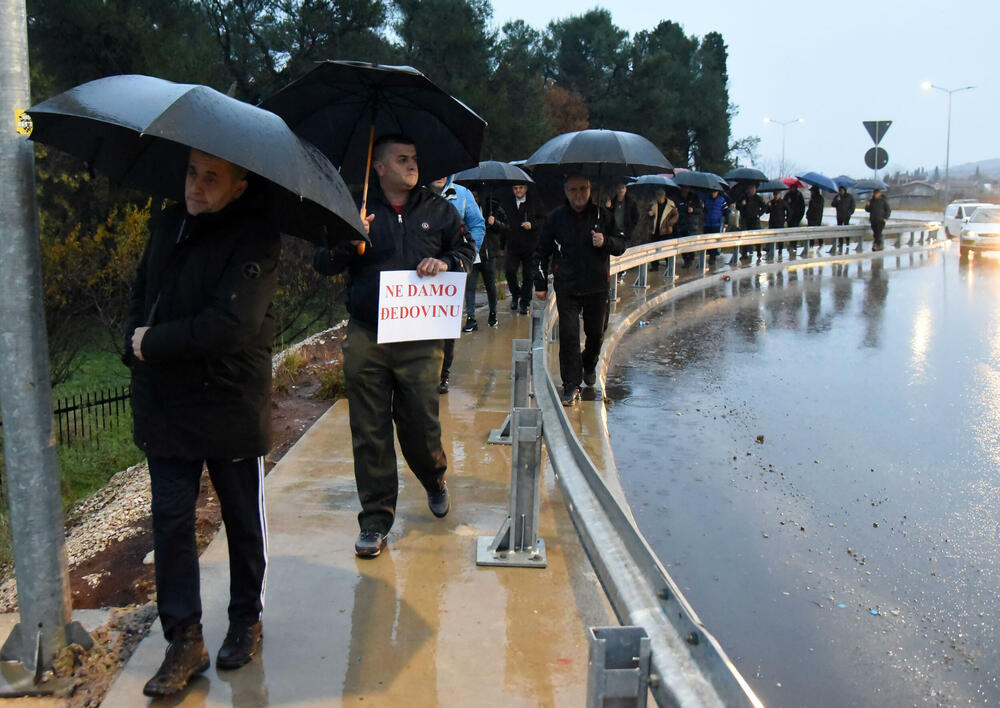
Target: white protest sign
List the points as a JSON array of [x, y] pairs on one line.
[[412, 308]]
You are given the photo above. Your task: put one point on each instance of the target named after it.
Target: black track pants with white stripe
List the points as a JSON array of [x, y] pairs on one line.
[[239, 485]]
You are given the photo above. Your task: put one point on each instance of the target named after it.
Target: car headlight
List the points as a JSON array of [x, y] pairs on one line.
[[970, 234]]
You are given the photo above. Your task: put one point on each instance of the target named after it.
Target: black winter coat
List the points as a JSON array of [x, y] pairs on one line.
[[532, 210], [495, 232], [844, 204], [796, 206], [578, 268], [429, 227], [778, 209], [878, 209], [625, 212], [750, 206], [204, 288], [814, 214], [689, 222]]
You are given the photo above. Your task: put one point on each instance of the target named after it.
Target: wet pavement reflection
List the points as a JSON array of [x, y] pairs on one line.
[[828, 486]]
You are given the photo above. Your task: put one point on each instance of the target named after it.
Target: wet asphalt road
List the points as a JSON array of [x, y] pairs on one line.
[[827, 492]]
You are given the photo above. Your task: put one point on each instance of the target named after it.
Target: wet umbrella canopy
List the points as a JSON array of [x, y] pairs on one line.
[[843, 181], [774, 185], [492, 172], [746, 173], [867, 185], [138, 130], [817, 180], [701, 180], [601, 155], [340, 106]]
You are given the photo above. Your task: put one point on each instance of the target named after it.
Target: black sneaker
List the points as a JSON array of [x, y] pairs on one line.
[[470, 325], [590, 377], [443, 386], [185, 658], [513, 305], [570, 395], [369, 544], [240, 645], [439, 501], [524, 310], [492, 321]]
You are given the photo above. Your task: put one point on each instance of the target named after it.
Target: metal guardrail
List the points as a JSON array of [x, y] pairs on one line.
[[689, 667]]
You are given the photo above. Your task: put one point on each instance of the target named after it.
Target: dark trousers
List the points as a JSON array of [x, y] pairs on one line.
[[389, 384], [239, 486], [517, 264], [594, 307], [487, 269], [877, 228]]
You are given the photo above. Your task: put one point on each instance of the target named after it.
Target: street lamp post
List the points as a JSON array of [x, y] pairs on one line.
[[927, 85], [783, 123]]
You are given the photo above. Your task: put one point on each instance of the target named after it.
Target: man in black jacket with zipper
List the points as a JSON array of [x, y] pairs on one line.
[[198, 341], [579, 239], [410, 229]]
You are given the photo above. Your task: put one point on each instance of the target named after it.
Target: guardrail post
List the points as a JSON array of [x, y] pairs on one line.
[[517, 544], [643, 280], [700, 261], [670, 269], [771, 251], [520, 383], [613, 288], [899, 240], [618, 667]]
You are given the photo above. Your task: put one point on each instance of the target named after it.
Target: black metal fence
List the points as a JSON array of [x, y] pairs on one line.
[[82, 417]]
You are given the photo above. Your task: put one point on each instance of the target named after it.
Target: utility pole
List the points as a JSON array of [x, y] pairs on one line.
[[35, 503], [947, 148]]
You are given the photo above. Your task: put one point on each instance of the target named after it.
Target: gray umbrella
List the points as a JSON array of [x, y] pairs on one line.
[[867, 185], [138, 130], [492, 172], [701, 180], [601, 155], [747, 174]]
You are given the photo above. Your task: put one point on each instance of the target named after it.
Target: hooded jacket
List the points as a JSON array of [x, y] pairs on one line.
[[578, 268], [844, 204], [796, 206], [814, 213], [461, 198], [204, 288], [428, 227], [878, 209]]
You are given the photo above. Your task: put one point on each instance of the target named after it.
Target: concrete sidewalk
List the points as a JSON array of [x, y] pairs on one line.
[[420, 625]]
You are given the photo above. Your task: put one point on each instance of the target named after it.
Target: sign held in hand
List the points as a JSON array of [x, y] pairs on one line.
[[412, 308]]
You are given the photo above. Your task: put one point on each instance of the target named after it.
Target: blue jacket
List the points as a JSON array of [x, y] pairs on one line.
[[715, 211], [462, 199]]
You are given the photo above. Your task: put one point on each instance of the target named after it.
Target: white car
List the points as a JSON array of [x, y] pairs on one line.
[[981, 231], [957, 214]]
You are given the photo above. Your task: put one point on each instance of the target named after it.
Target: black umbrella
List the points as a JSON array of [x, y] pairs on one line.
[[344, 106], [868, 185], [701, 180], [138, 130], [492, 172], [746, 173], [601, 155], [646, 185], [773, 185]]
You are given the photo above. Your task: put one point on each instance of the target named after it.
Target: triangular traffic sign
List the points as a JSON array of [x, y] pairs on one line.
[[877, 129]]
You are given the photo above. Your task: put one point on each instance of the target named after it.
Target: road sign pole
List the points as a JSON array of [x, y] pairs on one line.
[[35, 505]]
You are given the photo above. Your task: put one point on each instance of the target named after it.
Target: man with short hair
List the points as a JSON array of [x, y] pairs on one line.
[[526, 214], [577, 241], [395, 383], [198, 343], [844, 204]]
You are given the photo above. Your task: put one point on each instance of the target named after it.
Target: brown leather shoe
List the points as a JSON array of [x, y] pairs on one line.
[[185, 658]]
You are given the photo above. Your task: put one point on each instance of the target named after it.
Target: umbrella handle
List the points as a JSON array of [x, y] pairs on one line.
[[364, 196]]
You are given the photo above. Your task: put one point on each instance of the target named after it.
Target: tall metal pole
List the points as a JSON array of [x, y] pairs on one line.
[[947, 149], [783, 124], [35, 505]]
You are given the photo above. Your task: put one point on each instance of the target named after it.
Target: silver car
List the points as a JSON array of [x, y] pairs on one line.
[[981, 232]]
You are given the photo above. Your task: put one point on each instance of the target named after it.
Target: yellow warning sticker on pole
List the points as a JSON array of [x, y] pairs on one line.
[[23, 121]]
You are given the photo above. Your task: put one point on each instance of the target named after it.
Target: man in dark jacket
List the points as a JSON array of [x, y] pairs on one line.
[[198, 342], [527, 214], [578, 239], [496, 230], [879, 211], [777, 208], [690, 211], [410, 229], [796, 207], [814, 212], [844, 204], [624, 209], [750, 206]]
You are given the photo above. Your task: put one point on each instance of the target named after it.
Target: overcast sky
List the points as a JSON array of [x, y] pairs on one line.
[[836, 64]]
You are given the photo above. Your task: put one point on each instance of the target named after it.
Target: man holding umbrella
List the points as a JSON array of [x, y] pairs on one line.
[[578, 240], [410, 229], [199, 340]]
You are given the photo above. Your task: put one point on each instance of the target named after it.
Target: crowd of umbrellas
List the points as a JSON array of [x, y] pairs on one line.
[[313, 137]]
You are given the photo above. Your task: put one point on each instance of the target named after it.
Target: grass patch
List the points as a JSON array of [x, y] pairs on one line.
[[331, 383], [291, 365]]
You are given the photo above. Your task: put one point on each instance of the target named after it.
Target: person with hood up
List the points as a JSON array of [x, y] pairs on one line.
[[750, 206], [715, 206], [689, 222], [814, 212], [777, 207]]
